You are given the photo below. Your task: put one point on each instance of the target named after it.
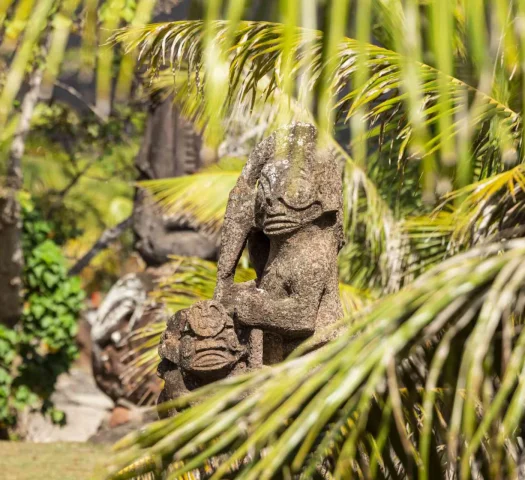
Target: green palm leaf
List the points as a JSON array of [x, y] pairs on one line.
[[322, 409], [23, 55], [257, 55], [200, 197], [25, 28], [491, 209]]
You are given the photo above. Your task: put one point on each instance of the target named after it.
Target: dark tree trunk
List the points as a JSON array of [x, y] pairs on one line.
[[11, 257]]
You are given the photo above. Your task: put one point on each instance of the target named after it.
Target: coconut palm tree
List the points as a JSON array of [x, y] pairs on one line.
[[427, 381]]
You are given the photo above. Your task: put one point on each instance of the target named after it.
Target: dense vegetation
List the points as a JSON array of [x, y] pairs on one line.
[[426, 380], [422, 101], [64, 145], [42, 345]]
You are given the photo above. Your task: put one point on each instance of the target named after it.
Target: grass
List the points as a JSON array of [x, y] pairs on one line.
[[50, 461]]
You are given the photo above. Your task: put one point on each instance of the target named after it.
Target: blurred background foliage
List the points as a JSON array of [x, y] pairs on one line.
[[69, 135], [43, 345], [82, 175]]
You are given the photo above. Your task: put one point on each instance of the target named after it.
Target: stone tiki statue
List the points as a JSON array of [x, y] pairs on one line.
[[286, 208]]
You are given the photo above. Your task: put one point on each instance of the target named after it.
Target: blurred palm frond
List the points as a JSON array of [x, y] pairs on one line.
[[492, 209], [200, 197], [35, 32], [258, 55], [383, 397]]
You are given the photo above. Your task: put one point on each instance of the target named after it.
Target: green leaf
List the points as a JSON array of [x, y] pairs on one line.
[[50, 279], [58, 417], [37, 310]]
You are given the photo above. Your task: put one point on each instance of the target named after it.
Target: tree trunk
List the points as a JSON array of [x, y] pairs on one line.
[[11, 257]]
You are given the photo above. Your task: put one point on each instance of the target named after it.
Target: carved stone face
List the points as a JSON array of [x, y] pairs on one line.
[[209, 345], [287, 197], [300, 181]]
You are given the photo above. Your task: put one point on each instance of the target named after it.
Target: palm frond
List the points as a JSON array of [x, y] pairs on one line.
[[110, 16], [353, 299], [489, 208], [263, 113], [492, 209], [22, 57], [201, 197], [376, 251], [58, 43], [30, 24], [321, 410], [193, 279], [127, 66], [257, 54]]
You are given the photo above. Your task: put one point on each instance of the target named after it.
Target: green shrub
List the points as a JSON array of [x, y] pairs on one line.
[[42, 345]]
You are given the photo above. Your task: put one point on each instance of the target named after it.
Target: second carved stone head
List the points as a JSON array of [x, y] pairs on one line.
[[201, 340]]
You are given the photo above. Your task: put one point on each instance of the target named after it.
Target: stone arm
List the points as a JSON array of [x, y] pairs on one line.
[[240, 216], [292, 317]]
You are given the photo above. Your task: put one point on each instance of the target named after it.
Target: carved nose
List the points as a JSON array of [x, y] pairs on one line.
[[214, 344], [275, 207]]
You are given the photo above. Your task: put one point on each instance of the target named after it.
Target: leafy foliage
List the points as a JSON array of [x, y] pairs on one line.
[[256, 72], [42, 345], [36, 35], [390, 359], [490, 210], [80, 173], [423, 383], [184, 195]]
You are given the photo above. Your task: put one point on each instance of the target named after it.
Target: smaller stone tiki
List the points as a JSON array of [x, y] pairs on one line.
[[286, 208], [200, 345]]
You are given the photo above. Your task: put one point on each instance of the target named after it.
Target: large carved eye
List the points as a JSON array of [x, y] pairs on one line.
[[299, 194]]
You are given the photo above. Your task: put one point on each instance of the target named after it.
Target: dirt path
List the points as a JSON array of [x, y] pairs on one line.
[[85, 407]]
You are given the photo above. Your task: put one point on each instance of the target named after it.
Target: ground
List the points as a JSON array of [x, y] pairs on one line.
[[51, 461]]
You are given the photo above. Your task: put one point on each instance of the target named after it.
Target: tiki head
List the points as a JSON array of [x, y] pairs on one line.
[[202, 341], [299, 183]]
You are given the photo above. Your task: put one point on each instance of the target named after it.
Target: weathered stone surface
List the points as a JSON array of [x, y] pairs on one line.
[[200, 344], [287, 209], [171, 147]]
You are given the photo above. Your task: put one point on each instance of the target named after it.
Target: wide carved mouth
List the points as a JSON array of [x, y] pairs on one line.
[[213, 359], [280, 224]]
